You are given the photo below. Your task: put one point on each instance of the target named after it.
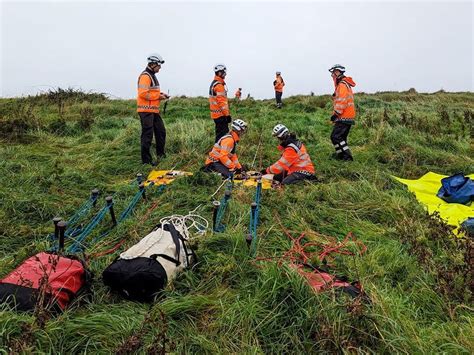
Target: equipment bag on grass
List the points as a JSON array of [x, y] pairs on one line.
[[45, 279], [142, 271], [457, 189]]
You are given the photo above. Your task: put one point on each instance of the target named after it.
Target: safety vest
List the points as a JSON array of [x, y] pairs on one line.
[[224, 151], [294, 159], [218, 103], [278, 84], [148, 98], [344, 101]]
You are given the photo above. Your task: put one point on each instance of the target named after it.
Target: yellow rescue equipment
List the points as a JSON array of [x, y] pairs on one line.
[[250, 179], [425, 190], [165, 177]]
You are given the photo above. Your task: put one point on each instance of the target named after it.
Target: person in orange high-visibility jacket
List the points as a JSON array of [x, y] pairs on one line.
[[294, 164], [223, 157], [344, 112], [218, 103], [238, 94], [148, 108], [278, 84]]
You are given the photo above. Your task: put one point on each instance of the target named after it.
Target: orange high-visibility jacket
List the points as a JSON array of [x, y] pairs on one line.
[[278, 84], [238, 94], [224, 151], [294, 158], [218, 103], [344, 100], [148, 98]]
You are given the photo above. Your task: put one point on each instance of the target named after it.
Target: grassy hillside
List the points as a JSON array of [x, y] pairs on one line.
[[56, 147]]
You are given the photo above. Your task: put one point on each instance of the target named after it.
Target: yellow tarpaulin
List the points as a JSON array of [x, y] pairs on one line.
[[425, 190], [165, 177]]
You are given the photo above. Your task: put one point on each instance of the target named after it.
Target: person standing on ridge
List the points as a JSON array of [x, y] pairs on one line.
[[344, 111], [223, 157], [148, 108], [278, 84], [238, 94], [218, 103], [294, 165]]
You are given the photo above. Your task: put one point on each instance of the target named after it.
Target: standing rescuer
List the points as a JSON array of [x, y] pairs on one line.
[[148, 108], [278, 84], [218, 103], [294, 164], [344, 111], [223, 157], [238, 94]]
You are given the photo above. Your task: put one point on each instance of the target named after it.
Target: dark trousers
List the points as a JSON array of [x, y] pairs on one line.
[[292, 178], [152, 124], [219, 167], [278, 98], [339, 139], [222, 126]]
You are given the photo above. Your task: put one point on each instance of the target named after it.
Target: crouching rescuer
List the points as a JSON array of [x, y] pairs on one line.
[[344, 111], [223, 157], [295, 164]]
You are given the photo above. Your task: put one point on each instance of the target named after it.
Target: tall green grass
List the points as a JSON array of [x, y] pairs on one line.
[[55, 150]]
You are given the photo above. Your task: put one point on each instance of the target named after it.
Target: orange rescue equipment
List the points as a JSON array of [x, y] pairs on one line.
[[148, 98], [224, 152], [295, 158], [344, 100], [218, 98], [278, 84]]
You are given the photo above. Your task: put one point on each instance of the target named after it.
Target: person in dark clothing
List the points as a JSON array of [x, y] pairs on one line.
[[344, 112], [148, 108]]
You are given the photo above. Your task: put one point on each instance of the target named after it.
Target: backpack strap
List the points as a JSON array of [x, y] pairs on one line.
[[175, 236], [166, 257]]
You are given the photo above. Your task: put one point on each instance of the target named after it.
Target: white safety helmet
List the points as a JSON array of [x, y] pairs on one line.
[[337, 67], [155, 58], [280, 131], [239, 125], [219, 67]]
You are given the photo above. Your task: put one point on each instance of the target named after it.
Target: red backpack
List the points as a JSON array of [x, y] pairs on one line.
[[45, 278]]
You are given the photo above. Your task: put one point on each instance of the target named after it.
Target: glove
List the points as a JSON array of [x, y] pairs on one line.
[[244, 167], [263, 171], [333, 117], [238, 171], [229, 119]]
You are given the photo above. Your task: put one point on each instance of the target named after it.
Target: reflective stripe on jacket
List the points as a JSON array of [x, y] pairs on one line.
[[278, 84], [294, 158], [344, 100], [148, 98], [218, 103], [224, 151]]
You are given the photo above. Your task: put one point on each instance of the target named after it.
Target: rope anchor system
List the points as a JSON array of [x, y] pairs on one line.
[[252, 238], [78, 233], [219, 207]]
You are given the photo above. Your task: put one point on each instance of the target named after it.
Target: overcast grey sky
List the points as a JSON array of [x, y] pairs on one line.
[[102, 46]]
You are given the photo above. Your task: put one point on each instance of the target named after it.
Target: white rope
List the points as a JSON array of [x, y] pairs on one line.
[[191, 224], [223, 183]]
